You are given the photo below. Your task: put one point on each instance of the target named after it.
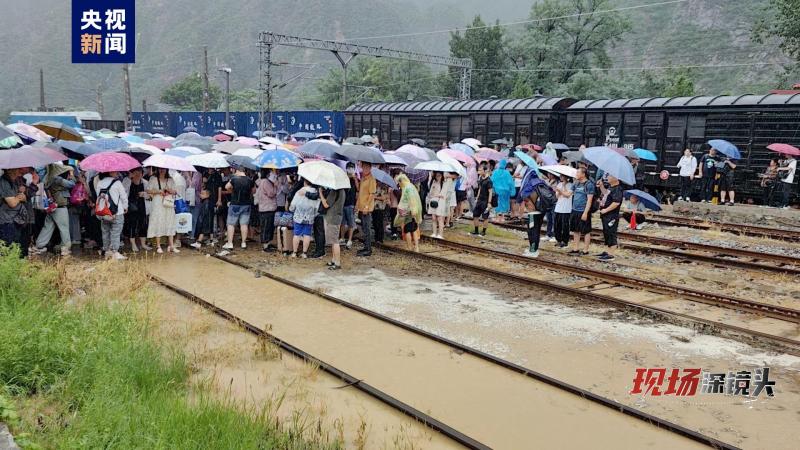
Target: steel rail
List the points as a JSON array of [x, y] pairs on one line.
[[350, 380], [780, 259], [787, 345], [774, 311], [742, 229], [619, 407]]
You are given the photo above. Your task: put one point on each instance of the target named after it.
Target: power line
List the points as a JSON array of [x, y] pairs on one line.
[[610, 69], [521, 22]]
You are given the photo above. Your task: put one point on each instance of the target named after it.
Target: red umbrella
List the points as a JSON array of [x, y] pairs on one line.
[[159, 143], [221, 137], [109, 162], [786, 149], [538, 148]]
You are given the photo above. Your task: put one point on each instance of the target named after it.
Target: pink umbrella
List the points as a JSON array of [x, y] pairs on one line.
[[29, 131], [165, 161], [413, 150], [489, 154], [459, 156], [159, 143], [247, 141], [27, 156], [109, 162], [786, 149], [221, 137]]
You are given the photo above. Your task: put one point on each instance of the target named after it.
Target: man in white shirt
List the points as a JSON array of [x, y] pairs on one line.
[[786, 172]]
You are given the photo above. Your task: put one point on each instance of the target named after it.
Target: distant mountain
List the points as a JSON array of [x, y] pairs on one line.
[[172, 35]]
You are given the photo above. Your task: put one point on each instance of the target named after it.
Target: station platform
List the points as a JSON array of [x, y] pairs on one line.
[[741, 214]]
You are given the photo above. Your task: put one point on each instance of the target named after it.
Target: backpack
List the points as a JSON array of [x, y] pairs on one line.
[[104, 207], [546, 198], [78, 195]]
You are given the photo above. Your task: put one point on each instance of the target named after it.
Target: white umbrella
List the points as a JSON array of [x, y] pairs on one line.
[[153, 150], [270, 140], [325, 174], [188, 149], [560, 169], [436, 166], [230, 133], [328, 141], [229, 147], [457, 167], [211, 160], [472, 142], [169, 162], [249, 152]]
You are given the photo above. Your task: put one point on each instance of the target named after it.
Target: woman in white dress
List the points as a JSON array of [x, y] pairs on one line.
[[161, 189], [437, 203]]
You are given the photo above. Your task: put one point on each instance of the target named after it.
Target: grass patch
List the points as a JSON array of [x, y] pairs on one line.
[[78, 373]]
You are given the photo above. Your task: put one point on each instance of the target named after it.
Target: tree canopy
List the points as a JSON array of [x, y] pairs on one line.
[[187, 94]]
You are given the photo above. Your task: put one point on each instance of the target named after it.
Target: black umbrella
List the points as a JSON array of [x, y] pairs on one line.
[[361, 153], [78, 150]]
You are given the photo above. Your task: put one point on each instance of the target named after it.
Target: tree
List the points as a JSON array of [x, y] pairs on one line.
[[555, 49], [485, 46], [244, 100], [376, 80], [782, 20], [187, 94]]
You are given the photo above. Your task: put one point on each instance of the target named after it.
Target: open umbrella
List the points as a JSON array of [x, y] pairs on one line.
[[229, 147], [463, 148], [458, 156], [211, 160], [179, 153], [472, 142], [446, 158], [59, 131], [79, 150], [559, 169], [334, 143], [29, 133], [547, 160], [142, 148], [502, 141], [354, 141], [726, 148], [109, 162], [648, 200], [436, 166], [392, 158], [159, 143], [131, 139], [304, 135], [786, 149], [561, 146], [241, 161], [530, 147], [612, 163], [189, 129], [169, 162], [489, 154], [249, 152], [222, 137], [247, 141], [111, 144], [323, 149], [574, 156], [361, 153], [385, 178], [325, 174], [530, 162], [230, 133], [270, 140], [415, 151], [188, 134], [188, 149], [27, 156], [9, 139], [418, 141], [277, 159], [645, 154]]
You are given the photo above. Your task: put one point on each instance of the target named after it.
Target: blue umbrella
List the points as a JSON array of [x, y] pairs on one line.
[[304, 135], [726, 148], [385, 178], [530, 162], [318, 148], [133, 139], [648, 200], [277, 159], [111, 144], [611, 162], [463, 148], [645, 154], [79, 150]]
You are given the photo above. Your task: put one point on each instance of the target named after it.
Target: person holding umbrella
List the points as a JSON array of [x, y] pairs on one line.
[[609, 214], [161, 189], [58, 182], [13, 210], [786, 173], [633, 211], [725, 169], [111, 188], [707, 171], [580, 219]]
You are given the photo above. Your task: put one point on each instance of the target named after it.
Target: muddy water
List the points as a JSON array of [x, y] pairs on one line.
[[499, 408], [593, 350], [263, 377]]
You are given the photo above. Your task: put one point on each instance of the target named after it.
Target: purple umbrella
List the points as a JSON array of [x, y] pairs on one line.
[[109, 162], [28, 156]]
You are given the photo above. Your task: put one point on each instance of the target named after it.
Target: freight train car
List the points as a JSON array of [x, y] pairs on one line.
[[663, 125]]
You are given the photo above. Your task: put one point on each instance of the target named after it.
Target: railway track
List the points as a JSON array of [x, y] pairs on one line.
[[719, 256], [161, 276], [663, 307], [740, 229]]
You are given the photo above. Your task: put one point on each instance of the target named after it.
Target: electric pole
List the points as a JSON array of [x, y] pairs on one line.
[[205, 84], [227, 71], [126, 80], [41, 91]]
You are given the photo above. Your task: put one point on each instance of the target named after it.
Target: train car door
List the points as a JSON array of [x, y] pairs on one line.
[[522, 133]]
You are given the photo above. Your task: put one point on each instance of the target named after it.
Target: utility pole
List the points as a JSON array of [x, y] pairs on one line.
[[145, 119], [265, 88], [41, 91], [205, 84], [227, 71], [126, 80], [344, 63]]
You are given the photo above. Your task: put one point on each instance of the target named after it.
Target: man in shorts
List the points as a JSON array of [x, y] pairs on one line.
[[348, 211], [482, 200], [241, 188], [580, 219]]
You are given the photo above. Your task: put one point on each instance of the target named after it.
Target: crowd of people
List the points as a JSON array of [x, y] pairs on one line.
[[149, 207]]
